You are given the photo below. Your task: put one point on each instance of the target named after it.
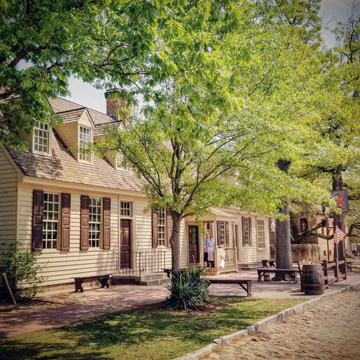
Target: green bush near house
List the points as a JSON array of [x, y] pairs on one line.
[[188, 290], [22, 273]]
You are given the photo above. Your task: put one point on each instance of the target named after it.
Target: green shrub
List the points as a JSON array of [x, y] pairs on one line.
[[188, 290], [21, 271]]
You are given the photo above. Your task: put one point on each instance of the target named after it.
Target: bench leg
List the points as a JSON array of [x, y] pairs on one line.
[[78, 285], [104, 282], [247, 288]]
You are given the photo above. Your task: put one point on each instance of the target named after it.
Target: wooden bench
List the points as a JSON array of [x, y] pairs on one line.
[[103, 280], [244, 283], [292, 272]]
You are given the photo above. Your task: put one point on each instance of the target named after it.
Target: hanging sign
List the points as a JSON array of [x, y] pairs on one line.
[[342, 199]]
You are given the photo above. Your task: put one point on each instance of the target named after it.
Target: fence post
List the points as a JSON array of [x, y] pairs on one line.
[[336, 270], [325, 269]]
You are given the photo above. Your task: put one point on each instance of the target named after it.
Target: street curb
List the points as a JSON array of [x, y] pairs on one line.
[[263, 324]]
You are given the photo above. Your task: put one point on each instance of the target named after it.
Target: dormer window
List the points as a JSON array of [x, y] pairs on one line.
[[119, 161], [41, 138], [84, 144], [119, 158]]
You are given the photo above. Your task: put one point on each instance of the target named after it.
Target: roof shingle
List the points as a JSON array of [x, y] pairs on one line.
[[63, 166]]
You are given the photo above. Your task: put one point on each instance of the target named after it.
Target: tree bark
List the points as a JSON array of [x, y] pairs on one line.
[[337, 185], [283, 238], [175, 242]]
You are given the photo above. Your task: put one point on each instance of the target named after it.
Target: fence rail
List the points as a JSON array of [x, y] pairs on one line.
[[230, 257], [151, 261]]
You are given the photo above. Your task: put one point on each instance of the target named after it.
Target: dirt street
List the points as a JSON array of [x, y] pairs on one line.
[[329, 330]]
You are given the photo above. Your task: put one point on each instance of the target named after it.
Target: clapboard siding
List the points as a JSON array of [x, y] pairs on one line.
[[8, 200], [251, 254], [60, 266]]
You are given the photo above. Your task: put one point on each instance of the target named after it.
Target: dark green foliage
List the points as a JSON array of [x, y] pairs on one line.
[[21, 271], [188, 289]]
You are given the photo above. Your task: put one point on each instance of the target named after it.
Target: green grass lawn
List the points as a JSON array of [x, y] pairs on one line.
[[147, 334]]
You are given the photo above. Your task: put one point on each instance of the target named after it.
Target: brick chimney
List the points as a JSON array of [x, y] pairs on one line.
[[117, 106]]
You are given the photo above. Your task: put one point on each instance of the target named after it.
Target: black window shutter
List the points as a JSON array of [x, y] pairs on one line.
[[249, 227], [227, 234], [169, 228], [84, 222], [243, 229], [37, 223], [106, 223], [65, 222], [154, 229]]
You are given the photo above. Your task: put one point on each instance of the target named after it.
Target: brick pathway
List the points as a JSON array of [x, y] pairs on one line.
[[328, 331], [67, 306], [70, 306]]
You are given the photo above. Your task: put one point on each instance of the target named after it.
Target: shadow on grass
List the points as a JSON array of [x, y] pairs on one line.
[[14, 350], [160, 333]]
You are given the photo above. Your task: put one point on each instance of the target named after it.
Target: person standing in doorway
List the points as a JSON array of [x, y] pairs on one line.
[[209, 245]]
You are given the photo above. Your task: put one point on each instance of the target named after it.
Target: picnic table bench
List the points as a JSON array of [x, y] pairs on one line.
[[103, 280], [244, 283], [262, 271]]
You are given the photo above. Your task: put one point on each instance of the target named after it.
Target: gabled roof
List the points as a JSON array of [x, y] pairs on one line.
[[70, 116], [62, 166], [218, 212], [69, 112]]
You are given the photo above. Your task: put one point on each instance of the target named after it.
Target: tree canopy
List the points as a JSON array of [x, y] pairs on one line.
[[249, 89], [44, 42]]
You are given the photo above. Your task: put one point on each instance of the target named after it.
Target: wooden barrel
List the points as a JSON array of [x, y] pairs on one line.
[[313, 281]]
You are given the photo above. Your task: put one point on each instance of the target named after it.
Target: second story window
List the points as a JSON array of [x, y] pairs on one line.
[[119, 159], [41, 138], [84, 144]]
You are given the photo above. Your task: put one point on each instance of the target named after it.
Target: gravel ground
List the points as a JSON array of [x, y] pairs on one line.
[[329, 330]]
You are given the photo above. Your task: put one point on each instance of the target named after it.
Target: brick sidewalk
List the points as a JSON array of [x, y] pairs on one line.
[[67, 306]]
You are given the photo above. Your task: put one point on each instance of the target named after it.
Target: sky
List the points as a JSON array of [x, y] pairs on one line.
[[331, 11]]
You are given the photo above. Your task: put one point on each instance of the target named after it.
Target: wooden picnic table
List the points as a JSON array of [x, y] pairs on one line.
[[292, 272]]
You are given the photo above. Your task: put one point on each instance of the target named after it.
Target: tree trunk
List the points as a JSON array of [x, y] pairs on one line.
[[283, 238], [337, 185], [175, 242]]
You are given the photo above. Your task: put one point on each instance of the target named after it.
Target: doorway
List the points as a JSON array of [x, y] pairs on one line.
[[193, 244], [125, 244]]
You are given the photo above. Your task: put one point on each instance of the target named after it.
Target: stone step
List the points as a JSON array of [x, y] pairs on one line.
[[143, 279], [155, 282]]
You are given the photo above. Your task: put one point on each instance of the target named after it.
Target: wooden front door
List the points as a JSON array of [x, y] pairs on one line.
[[193, 244], [125, 244]]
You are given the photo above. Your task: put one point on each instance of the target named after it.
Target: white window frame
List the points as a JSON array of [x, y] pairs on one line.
[[221, 241], [126, 206], [161, 227], [84, 143], [95, 219], [258, 231], [41, 136], [51, 216]]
